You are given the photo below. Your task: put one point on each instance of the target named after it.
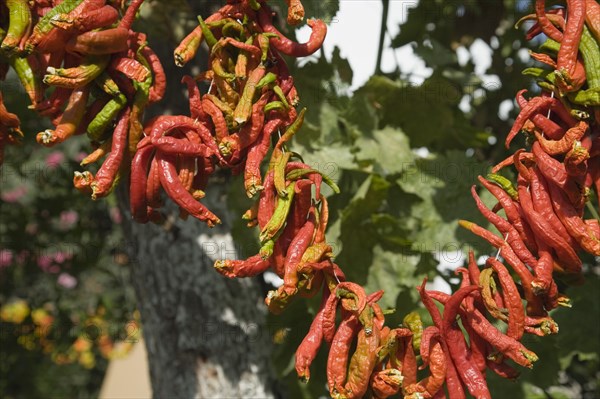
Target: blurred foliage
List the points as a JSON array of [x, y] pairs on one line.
[[66, 302]]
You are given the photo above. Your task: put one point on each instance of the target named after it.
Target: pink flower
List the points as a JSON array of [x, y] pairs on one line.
[[14, 195], [61, 257], [115, 215], [54, 159], [80, 156], [67, 281], [44, 262], [6, 258], [68, 219]]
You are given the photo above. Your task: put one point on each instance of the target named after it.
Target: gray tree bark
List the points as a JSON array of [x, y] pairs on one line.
[[205, 334]]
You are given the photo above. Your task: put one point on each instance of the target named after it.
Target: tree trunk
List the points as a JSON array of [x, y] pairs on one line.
[[205, 334]]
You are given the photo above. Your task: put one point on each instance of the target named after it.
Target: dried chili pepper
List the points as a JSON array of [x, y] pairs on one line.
[[308, 348], [69, 120]]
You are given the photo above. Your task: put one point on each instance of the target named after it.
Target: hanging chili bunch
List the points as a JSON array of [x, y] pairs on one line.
[[85, 69]]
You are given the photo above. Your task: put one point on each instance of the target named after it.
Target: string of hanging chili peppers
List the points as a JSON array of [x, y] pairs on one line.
[[101, 81]]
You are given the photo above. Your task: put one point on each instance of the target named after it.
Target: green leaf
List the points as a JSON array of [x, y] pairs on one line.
[[442, 183], [387, 151], [435, 54], [393, 272], [342, 66]]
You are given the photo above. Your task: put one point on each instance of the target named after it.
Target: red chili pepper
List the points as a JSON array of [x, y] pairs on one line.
[[194, 97], [82, 182], [129, 16], [386, 383], [337, 361], [508, 346], [105, 178], [184, 147], [592, 17], [297, 247], [503, 370], [512, 299], [138, 181], [543, 229], [512, 236], [130, 67], [543, 271], [309, 347], [70, 119], [329, 318], [249, 133], [573, 222], [153, 185], [469, 374], [250, 267], [216, 115], [106, 41], [256, 153], [533, 107], [285, 45], [95, 19], [569, 45], [554, 171], [177, 192], [576, 160], [266, 201], [548, 126], [353, 297], [159, 82], [511, 210], [542, 203], [544, 23]]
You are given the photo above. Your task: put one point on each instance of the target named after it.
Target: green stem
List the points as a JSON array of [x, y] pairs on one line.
[[384, 17], [592, 210]]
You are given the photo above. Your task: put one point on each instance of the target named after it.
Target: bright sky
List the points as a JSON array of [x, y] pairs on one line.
[[355, 30]]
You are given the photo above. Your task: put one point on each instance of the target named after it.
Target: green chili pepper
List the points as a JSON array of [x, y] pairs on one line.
[[277, 221], [266, 80], [19, 21], [590, 52], [274, 106], [232, 28], [206, 32], [505, 184], [292, 129], [279, 93], [413, 322], [540, 74], [100, 123], [589, 97], [279, 160], [45, 25], [107, 84], [140, 100], [30, 81], [551, 46], [90, 68], [297, 173], [255, 5]]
